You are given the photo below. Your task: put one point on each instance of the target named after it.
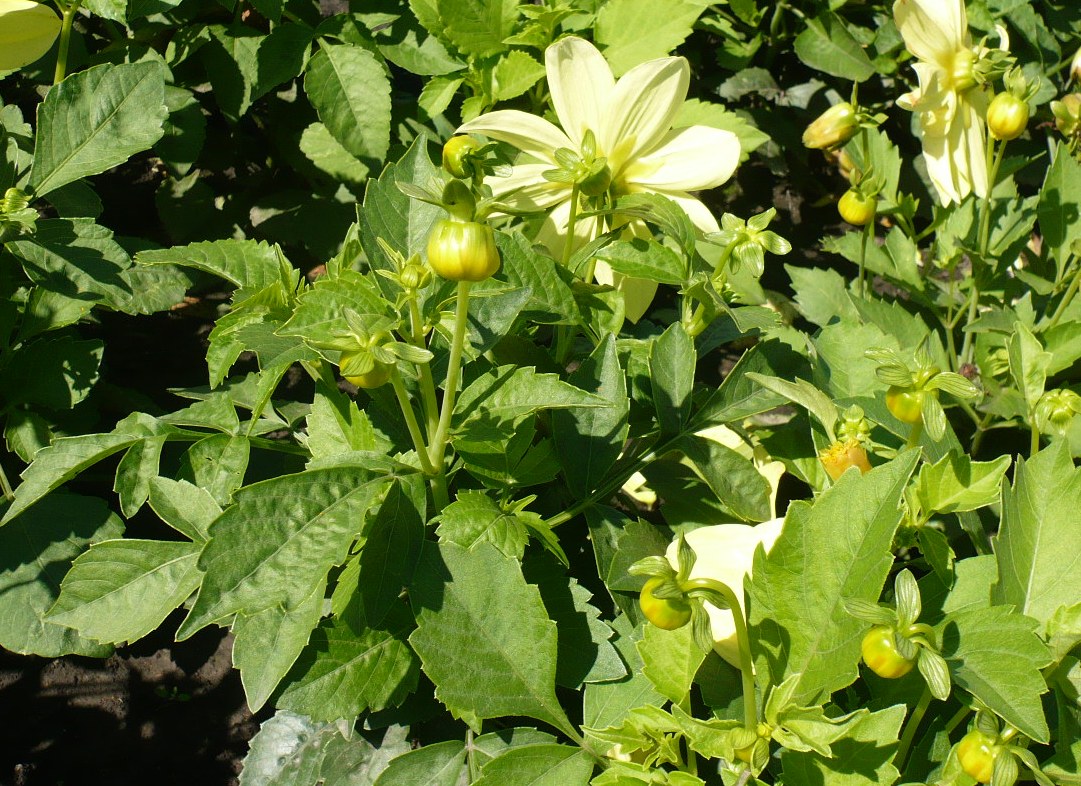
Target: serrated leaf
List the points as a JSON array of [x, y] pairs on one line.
[[349, 668], [956, 483], [329, 156], [550, 301], [1028, 364], [217, 463], [854, 522], [827, 46], [514, 73], [864, 758], [474, 518], [539, 765], [487, 659], [1037, 573], [121, 590], [608, 703], [55, 373], [995, 654], [672, 362], [645, 258], [96, 119], [1061, 187], [391, 549], [478, 27], [507, 393], [230, 57], [441, 764], [670, 660], [278, 540], [249, 265], [36, 550], [349, 89], [630, 32]]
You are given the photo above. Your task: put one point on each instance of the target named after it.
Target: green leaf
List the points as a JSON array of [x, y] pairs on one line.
[[319, 314], [36, 550], [734, 479], [1028, 364], [670, 660], [278, 540], [336, 426], [1058, 208], [438, 93], [1041, 513], [56, 373], [539, 765], [957, 483], [139, 466], [248, 265], [738, 397], [802, 392], [608, 703], [188, 509], [349, 668], [863, 758], [59, 463], [630, 32], [293, 750], [349, 89], [995, 654], [389, 214], [589, 440], [475, 518], [487, 659], [672, 362], [391, 549], [267, 643], [514, 73], [645, 258], [330, 157], [441, 764], [217, 463], [478, 27], [427, 58], [230, 57], [508, 393], [121, 590], [95, 120], [827, 46], [797, 599], [551, 301]]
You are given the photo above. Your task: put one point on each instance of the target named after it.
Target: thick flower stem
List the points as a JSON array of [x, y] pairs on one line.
[[984, 241], [411, 421], [746, 664], [454, 367], [1066, 300], [914, 435], [568, 244], [865, 236], [424, 372], [1034, 439], [911, 726], [65, 41]]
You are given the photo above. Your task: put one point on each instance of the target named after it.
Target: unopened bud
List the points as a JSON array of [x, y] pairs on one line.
[[1075, 67], [456, 155], [833, 127], [1067, 114], [1055, 410]]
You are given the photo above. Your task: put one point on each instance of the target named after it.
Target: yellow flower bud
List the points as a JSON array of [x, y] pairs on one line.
[[27, 30], [833, 127]]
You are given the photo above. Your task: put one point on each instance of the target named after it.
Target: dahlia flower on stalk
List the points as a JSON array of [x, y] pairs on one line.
[[950, 106], [620, 132]]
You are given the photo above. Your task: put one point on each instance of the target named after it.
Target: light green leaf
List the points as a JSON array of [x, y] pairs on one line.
[[188, 509], [645, 258], [349, 89], [349, 668], [248, 265], [267, 643], [539, 765], [827, 45], [474, 518], [279, 539], [438, 93], [630, 32], [608, 703], [1060, 193], [329, 156], [1041, 514], [487, 660], [738, 485], [441, 764], [335, 425], [121, 590], [478, 27], [507, 393], [1028, 364], [96, 119], [995, 654], [134, 473], [36, 550], [797, 598], [1064, 631], [863, 758], [957, 483], [672, 363], [514, 73], [806, 395], [391, 549], [551, 301], [671, 658], [59, 463], [217, 463]]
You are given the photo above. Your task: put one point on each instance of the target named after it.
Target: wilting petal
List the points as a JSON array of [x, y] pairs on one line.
[[934, 30], [526, 188], [581, 84], [644, 103], [638, 293], [687, 160], [528, 133]]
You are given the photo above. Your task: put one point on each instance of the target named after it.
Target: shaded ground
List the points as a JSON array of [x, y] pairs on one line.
[[157, 712]]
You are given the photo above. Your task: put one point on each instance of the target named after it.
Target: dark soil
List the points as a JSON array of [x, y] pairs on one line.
[[157, 712]]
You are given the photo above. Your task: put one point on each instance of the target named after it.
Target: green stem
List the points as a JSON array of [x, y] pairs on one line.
[[411, 423], [746, 665], [65, 41], [955, 721], [5, 486], [984, 241], [914, 435], [1066, 300], [911, 725], [862, 276], [454, 367], [424, 372], [1034, 439], [568, 244]]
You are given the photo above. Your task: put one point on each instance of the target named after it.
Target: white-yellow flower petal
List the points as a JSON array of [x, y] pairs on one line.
[[553, 231], [581, 83], [27, 32], [638, 293], [934, 30], [527, 189], [529, 133], [687, 159], [642, 107], [956, 162], [725, 553], [698, 213]]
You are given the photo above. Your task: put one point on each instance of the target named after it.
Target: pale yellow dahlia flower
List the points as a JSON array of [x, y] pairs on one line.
[[631, 123], [27, 30], [951, 107], [725, 553]]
